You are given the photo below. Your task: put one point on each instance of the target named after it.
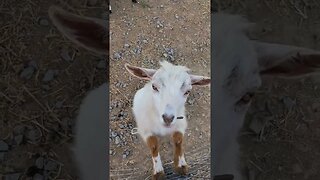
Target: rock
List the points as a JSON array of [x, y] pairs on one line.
[[43, 21], [3, 146], [38, 177], [33, 135], [113, 134], [64, 54], [49, 76], [27, 72], [117, 56], [19, 129], [13, 176], [102, 64], [33, 64], [137, 50], [59, 104], [159, 24], [126, 45], [18, 139], [288, 102], [2, 156], [39, 163], [125, 154], [51, 165], [117, 140]]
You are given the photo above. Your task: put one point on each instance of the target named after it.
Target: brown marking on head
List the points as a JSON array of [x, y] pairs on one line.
[[153, 145]]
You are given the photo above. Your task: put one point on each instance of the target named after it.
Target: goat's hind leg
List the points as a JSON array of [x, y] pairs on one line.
[[179, 162], [158, 172]]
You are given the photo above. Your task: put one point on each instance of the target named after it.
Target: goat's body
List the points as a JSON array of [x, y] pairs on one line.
[[147, 117], [90, 147]]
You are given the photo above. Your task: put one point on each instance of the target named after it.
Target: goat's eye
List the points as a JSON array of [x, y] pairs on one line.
[[154, 88], [246, 98], [186, 93]]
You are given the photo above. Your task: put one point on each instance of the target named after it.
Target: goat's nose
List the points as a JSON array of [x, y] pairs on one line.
[[167, 118]]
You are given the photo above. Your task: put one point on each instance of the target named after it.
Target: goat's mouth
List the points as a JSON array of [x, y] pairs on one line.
[[167, 125]]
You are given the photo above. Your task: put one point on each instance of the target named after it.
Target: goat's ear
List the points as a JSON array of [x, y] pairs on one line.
[[142, 73], [286, 61], [200, 80], [90, 33]]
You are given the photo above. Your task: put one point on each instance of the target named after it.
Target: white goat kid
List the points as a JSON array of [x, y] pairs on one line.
[[238, 64], [159, 109], [91, 135]]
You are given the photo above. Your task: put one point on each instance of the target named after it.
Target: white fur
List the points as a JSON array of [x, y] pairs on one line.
[[91, 135], [148, 106], [157, 164], [182, 161]]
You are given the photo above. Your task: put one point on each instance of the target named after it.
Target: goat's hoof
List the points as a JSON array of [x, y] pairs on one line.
[[183, 170], [159, 176]]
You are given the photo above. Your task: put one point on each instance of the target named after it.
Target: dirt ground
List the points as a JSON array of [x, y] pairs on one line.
[[281, 137], [143, 34]]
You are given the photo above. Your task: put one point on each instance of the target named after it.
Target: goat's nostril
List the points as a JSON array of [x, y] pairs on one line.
[[167, 119]]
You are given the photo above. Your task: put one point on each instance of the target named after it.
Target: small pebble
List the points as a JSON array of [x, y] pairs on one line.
[[18, 139], [51, 166], [117, 140], [27, 72], [117, 56], [40, 162], [43, 21], [2, 156], [14, 176], [49, 76], [64, 54], [38, 177], [3, 146]]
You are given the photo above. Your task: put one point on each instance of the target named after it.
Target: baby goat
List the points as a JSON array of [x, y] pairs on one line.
[[239, 64], [159, 109]]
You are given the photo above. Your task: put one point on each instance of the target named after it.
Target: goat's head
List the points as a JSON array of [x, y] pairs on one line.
[[90, 33], [238, 66], [170, 86]]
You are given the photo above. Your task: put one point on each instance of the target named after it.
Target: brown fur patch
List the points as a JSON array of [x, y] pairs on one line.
[[159, 176], [153, 145], [178, 150]]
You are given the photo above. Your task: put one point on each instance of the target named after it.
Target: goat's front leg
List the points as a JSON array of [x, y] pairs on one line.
[[153, 145], [180, 164]]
